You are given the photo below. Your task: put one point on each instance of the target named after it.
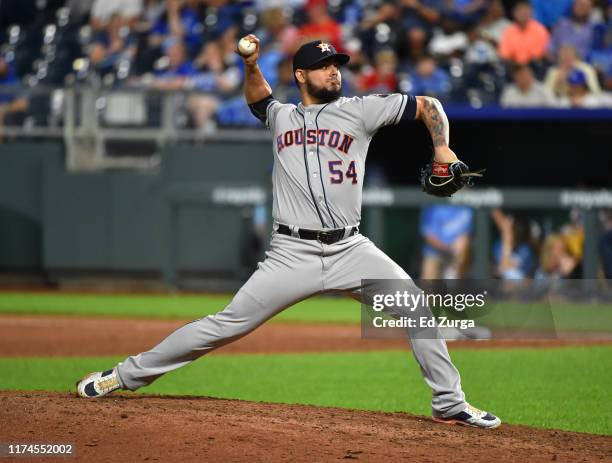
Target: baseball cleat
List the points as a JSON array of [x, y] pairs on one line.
[[471, 416], [98, 384]]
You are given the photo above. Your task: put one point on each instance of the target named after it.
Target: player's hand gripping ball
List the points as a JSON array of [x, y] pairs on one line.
[[246, 47], [444, 179]]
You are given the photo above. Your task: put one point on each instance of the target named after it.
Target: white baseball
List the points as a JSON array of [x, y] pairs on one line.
[[246, 47]]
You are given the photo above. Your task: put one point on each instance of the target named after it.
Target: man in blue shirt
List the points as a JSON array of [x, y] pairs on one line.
[[446, 233], [429, 79]]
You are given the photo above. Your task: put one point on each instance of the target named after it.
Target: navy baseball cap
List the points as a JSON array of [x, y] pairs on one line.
[[313, 53]]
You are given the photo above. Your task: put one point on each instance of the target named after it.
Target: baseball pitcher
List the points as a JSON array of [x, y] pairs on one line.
[[320, 149]]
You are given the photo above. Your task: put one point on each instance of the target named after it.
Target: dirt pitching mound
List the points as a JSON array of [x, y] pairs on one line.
[[135, 428]]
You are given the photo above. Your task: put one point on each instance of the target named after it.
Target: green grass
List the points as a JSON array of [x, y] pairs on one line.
[[559, 316], [315, 310], [572, 317], [565, 388]]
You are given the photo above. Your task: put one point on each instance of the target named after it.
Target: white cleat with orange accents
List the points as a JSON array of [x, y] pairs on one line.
[[471, 416]]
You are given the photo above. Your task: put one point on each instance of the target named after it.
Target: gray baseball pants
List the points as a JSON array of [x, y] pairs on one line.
[[295, 269]]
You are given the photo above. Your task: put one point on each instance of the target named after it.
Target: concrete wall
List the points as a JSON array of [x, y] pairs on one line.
[[52, 220], [21, 203]]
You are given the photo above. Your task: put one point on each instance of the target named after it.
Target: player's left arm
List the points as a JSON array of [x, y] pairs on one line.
[[430, 111]]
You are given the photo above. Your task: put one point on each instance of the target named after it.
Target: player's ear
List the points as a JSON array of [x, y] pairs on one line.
[[300, 76]]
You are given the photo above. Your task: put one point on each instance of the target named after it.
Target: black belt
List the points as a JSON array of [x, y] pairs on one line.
[[323, 236]]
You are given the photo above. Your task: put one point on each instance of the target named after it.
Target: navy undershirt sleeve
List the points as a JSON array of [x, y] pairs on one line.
[[410, 110], [259, 108]]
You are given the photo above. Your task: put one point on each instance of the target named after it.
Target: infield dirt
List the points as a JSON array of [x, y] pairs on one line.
[[153, 428], [79, 336]]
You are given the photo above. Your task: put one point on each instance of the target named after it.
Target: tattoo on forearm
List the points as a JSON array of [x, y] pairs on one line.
[[436, 121]]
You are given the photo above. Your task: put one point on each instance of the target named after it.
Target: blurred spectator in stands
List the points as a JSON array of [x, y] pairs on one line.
[[420, 14], [556, 261], [601, 53], [181, 74], [111, 44], [483, 37], [103, 12], [277, 32], [557, 76], [382, 77], [321, 26], [577, 30], [526, 40], [13, 103], [148, 50], [429, 79], [153, 10], [7, 77], [494, 23], [562, 252], [479, 49], [580, 96], [235, 112], [286, 90], [446, 233], [573, 233], [448, 41], [375, 14], [175, 67], [113, 23], [220, 15], [180, 20], [465, 13], [378, 19], [526, 91], [277, 39], [605, 242], [548, 12], [220, 59], [418, 19], [80, 10], [513, 255]]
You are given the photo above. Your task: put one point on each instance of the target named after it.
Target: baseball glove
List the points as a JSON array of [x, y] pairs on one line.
[[445, 179]]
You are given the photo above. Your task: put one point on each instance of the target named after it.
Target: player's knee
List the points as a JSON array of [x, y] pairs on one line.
[[240, 316]]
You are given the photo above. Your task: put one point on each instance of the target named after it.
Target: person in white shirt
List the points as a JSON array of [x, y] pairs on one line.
[[526, 91], [494, 23]]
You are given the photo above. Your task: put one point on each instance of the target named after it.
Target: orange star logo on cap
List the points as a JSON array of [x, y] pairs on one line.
[[324, 47]]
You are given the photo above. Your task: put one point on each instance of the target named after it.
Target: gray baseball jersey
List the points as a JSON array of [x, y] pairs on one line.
[[319, 156], [319, 159]]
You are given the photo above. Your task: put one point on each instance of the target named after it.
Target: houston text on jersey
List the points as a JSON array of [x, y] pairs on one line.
[[331, 138]]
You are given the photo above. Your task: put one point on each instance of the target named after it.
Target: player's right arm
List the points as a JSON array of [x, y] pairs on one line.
[[257, 90], [256, 87]]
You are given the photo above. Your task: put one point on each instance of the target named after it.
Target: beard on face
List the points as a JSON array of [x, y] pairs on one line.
[[322, 93]]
